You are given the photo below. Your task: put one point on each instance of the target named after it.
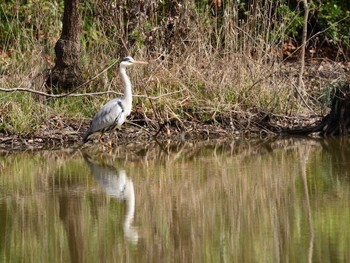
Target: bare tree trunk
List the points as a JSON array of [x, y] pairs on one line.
[[66, 74]]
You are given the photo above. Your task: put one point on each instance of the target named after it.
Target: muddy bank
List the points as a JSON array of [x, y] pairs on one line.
[[65, 137], [70, 133]]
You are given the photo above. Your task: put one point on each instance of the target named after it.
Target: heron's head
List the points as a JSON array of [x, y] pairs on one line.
[[128, 61]]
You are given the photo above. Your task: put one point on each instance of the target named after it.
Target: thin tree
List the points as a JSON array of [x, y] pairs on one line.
[[303, 44], [66, 73]]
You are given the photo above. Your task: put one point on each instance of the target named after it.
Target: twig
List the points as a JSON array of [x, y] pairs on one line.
[[70, 94], [139, 126], [302, 98], [160, 129], [86, 82]]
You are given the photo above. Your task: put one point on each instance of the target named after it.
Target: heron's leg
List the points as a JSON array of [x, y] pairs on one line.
[[107, 144], [116, 135], [101, 141], [110, 143]]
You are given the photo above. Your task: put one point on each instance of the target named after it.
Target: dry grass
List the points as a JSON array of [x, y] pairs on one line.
[[217, 65]]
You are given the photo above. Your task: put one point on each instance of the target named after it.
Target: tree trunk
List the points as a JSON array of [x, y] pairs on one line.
[[337, 122], [66, 74]]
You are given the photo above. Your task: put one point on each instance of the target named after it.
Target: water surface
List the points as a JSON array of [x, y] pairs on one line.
[[262, 201]]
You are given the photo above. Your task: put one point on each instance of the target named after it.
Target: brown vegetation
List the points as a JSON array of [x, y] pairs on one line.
[[211, 73]]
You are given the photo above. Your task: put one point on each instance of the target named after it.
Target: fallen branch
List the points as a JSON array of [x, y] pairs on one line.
[[58, 96], [72, 94]]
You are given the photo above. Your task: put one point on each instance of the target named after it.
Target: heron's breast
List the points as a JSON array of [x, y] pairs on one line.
[[121, 119]]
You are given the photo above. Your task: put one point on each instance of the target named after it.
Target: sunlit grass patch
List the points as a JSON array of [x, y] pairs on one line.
[[20, 113]]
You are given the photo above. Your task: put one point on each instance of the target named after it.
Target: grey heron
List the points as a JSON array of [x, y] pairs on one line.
[[113, 114]]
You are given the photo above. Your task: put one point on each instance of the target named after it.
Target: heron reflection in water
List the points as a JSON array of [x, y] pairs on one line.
[[116, 184]]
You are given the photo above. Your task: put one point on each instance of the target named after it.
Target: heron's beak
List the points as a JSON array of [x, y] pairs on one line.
[[140, 62]]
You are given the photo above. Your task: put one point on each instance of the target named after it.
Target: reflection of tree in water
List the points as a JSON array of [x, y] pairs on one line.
[[116, 184], [72, 216], [339, 155]]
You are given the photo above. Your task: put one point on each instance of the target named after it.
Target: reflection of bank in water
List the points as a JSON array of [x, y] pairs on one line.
[[116, 184]]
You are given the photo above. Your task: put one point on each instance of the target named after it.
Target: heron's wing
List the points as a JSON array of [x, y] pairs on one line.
[[110, 115]]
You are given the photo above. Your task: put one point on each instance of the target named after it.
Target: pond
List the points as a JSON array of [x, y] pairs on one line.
[[286, 200]]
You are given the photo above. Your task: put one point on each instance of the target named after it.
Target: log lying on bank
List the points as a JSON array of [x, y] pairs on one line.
[[336, 123]]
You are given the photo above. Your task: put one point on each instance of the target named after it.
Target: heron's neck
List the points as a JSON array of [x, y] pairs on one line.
[[130, 203], [127, 90]]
